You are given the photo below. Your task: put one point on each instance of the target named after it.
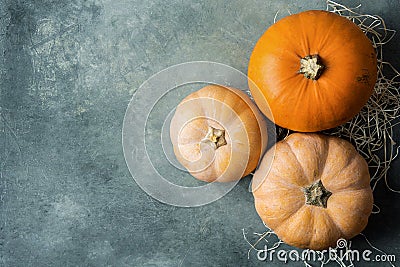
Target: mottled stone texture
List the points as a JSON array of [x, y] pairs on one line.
[[67, 72]]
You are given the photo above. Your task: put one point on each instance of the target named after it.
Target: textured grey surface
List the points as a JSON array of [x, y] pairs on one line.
[[67, 72]]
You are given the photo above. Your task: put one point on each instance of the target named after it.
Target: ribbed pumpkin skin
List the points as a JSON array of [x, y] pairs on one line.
[[302, 104], [298, 161], [224, 108]]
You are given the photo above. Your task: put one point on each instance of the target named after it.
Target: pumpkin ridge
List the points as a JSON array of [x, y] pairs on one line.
[[301, 92], [331, 217], [357, 208], [336, 93], [323, 157], [283, 216], [285, 220], [327, 35], [214, 169], [297, 160], [289, 41], [359, 213], [279, 98], [342, 232], [349, 189], [328, 104], [305, 44], [283, 182], [353, 190], [326, 148], [239, 110], [286, 79], [197, 95], [353, 156], [276, 177], [345, 167], [333, 222], [190, 142], [240, 101], [214, 97], [312, 225], [244, 108]]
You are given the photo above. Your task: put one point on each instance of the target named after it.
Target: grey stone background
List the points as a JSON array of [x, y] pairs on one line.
[[67, 72]]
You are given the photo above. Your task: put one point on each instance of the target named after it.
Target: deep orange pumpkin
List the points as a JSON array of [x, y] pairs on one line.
[[315, 69]]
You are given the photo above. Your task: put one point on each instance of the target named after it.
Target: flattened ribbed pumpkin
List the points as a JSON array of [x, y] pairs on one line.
[[312, 189]]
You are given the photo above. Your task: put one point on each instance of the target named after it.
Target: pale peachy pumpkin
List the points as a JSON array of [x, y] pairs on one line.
[[315, 70], [218, 134], [312, 189]]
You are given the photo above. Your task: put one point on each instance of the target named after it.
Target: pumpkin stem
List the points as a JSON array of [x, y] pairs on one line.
[[316, 194], [311, 67], [215, 136]]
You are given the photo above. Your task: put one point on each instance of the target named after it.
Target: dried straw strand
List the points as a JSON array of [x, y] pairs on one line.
[[370, 131]]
